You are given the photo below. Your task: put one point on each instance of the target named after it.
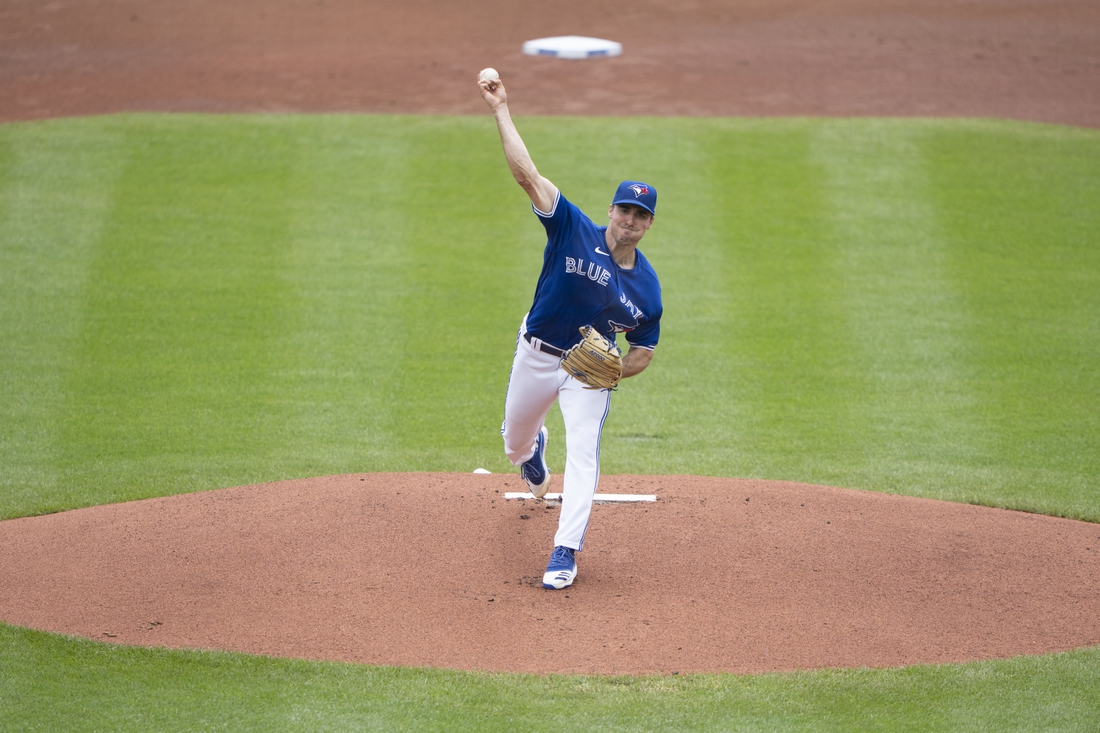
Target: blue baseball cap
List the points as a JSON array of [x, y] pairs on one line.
[[637, 194]]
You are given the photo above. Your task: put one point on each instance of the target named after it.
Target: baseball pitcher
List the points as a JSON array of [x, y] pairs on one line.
[[594, 283]]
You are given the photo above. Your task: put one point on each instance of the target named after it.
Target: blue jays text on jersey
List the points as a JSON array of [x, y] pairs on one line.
[[582, 285]]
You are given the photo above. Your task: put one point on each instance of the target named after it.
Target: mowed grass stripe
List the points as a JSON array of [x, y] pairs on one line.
[[171, 387], [338, 367], [910, 412], [1020, 206], [474, 255], [774, 381], [57, 189]]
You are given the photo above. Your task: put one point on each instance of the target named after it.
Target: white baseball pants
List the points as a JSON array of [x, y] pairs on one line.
[[537, 380]]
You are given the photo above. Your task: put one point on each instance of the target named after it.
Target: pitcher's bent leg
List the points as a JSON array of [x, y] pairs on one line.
[[532, 389]]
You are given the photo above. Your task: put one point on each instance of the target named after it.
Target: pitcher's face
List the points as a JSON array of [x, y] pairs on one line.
[[628, 224]]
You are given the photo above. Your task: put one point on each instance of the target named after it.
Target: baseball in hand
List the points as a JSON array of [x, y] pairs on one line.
[[488, 75]]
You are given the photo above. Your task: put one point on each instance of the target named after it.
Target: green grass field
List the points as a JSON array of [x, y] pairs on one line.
[[196, 302]]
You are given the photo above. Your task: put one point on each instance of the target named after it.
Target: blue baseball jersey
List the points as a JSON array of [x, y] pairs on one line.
[[581, 285]]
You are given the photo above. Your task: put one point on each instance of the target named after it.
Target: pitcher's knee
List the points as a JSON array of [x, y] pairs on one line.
[[517, 451]]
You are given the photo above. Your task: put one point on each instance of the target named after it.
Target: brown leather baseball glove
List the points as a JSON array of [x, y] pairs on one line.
[[595, 361]]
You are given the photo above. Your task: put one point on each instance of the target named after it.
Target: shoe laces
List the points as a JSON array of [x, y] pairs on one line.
[[532, 469], [562, 555]]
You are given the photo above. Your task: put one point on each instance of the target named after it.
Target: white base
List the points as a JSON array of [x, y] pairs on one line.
[[599, 498], [572, 47]]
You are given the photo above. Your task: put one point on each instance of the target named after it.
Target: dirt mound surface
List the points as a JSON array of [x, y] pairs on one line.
[[440, 570]]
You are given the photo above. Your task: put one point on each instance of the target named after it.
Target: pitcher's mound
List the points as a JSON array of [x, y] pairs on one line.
[[439, 570]]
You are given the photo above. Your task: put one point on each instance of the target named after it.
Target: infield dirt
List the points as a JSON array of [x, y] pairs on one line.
[[972, 58]]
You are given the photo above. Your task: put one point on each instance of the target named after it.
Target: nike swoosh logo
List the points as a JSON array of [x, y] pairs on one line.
[[601, 252]]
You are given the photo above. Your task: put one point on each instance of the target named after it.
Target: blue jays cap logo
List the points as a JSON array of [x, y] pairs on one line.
[[638, 194]]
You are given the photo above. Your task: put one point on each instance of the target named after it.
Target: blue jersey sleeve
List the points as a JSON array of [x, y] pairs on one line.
[[646, 335], [560, 222]]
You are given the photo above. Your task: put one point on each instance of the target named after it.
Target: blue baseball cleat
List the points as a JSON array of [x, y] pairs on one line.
[[561, 570], [534, 470]]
